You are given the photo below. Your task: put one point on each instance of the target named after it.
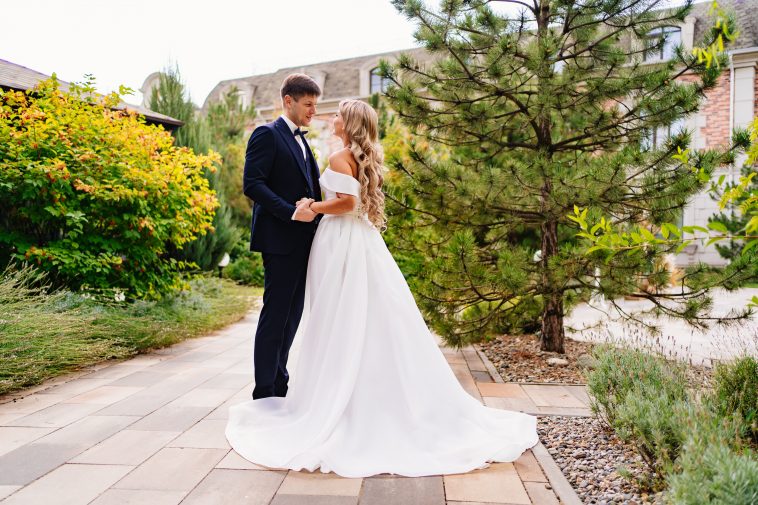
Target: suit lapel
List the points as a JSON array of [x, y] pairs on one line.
[[294, 147], [315, 174]]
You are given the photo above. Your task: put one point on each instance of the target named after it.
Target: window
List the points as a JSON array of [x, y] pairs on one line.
[[661, 42], [656, 138], [377, 83]]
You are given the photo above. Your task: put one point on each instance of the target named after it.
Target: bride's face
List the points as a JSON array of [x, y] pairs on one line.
[[339, 125]]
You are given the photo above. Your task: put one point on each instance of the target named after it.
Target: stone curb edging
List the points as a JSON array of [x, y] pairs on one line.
[[561, 486]]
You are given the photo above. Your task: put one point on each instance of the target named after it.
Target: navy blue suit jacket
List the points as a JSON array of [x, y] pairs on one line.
[[274, 178]]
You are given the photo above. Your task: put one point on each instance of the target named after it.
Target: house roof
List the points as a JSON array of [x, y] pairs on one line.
[[21, 78], [746, 14], [341, 78]]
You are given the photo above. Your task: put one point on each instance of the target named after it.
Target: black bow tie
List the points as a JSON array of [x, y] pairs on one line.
[[300, 132]]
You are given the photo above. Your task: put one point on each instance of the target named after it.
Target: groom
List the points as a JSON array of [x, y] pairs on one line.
[[280, 170]]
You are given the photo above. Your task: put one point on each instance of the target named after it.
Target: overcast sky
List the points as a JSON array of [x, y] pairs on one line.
[[123, 41]]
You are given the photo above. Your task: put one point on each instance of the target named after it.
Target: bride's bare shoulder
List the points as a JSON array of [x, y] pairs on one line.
[[343, 162]]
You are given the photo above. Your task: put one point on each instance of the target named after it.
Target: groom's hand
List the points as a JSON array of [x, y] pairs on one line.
[[303, 213]]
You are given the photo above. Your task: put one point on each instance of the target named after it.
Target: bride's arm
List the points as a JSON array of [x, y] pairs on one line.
[[343, 203]]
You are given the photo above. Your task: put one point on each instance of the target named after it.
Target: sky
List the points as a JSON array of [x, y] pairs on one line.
[[123, 41]]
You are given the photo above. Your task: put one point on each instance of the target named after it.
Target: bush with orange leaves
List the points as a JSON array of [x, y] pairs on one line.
[[93, 195]]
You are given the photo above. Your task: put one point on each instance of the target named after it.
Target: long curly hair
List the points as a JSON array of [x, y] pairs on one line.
[[362, 130]]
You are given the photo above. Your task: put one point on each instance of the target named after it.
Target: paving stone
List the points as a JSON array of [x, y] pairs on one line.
[[89, 431], [142, 378], [31, 461], [318, 483], [401, 491], [528, 468], [561, 411], [203, 397], [481, 376], [57, 416], [75, 387], [170, 418], [504, 390], [104, 395], [473, 360], [234, 461], [580, 392], [222, 487], [294, 499], [206, 434], [127, 447], [69, 485], [233, 381], [30, 404], [116, 371], [8, 490], [517, 404], [140, 404], [139, 497], [13, 437], [497, 484], [172, 469], [540, 495], [7, 419], [551, 396]]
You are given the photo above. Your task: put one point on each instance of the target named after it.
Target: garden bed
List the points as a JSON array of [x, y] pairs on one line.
[[589, 455], [519, 359], [47, 335]]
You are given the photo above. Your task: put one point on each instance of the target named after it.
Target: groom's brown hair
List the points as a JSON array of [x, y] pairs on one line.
[[299, 85]]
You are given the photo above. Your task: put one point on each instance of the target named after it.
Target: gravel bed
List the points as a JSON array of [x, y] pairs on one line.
[[589, 456], [519, 359]]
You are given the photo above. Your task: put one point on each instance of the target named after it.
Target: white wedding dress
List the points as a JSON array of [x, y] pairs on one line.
[[372, 392]]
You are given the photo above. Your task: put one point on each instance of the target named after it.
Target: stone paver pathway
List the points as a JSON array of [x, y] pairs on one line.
[[150, 430]]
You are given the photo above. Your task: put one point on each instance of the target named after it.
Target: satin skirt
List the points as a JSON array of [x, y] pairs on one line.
[[371, 393]]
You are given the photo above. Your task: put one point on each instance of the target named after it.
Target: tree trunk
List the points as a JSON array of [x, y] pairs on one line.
[[551, 338]]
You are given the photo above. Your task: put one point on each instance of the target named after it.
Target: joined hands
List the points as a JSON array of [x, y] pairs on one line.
[[303, 212]]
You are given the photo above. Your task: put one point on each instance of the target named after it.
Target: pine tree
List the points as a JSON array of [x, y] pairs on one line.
[[529, 115], [227, 120], [170, 97]]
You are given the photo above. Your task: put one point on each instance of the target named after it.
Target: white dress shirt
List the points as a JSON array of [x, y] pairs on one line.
[[299, 140]]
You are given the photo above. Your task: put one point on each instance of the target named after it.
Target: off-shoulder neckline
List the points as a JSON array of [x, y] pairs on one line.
[[340, 173]]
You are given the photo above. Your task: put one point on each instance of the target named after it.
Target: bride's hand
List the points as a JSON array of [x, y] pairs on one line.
[[307, 201]]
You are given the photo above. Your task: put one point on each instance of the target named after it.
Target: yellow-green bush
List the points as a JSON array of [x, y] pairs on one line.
[[94, 196]]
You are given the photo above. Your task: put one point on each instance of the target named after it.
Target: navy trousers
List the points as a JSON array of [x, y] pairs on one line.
[[283, 294]]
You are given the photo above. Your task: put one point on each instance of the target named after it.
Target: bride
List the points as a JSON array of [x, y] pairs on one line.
[[372, 392]]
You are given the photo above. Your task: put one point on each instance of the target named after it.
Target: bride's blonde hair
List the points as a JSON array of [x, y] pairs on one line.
[[362, 129]]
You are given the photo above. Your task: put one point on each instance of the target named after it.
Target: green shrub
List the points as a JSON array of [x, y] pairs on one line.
[[45, 333], [735, 391], [656, 424], [94, 196], [247, 269], [620, 371], [712, 470]]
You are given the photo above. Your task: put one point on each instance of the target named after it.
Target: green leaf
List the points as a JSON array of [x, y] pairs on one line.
[[717, 226], [693, 229], [647, 234], [595, 248], [681, 246], [714, 240], [672, 229], [749, 246]]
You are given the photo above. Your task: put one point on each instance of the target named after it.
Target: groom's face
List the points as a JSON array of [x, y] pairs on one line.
[[301, 111]]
